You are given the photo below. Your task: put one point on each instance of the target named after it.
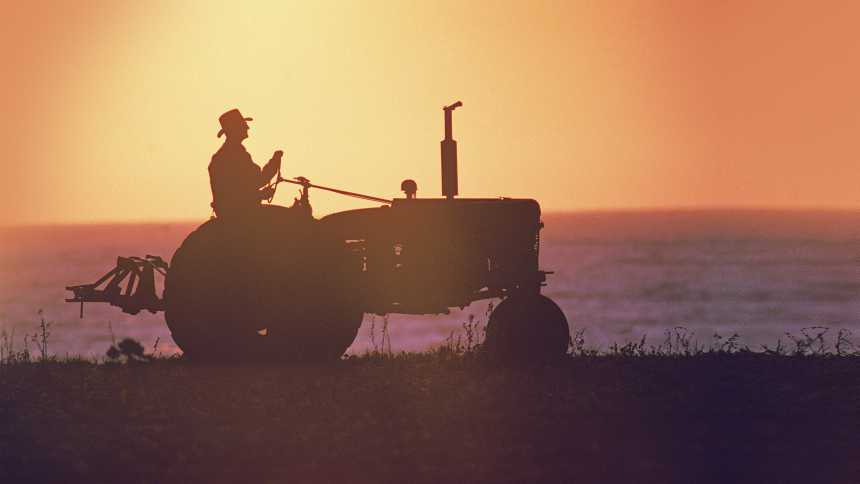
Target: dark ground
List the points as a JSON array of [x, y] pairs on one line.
[[709, 418]]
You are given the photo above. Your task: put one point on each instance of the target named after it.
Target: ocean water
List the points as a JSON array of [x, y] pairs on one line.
[[618, 276]]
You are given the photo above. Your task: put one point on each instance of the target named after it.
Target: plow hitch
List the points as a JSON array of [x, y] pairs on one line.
[[139, 291]]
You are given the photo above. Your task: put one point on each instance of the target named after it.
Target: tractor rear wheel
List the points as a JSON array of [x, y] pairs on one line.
[[269, 288], [527, 328]]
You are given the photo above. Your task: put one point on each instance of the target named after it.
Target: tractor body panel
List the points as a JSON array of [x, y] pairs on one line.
[[424, 256]]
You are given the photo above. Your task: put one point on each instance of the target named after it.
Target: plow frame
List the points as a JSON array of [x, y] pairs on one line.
[[139, 293]]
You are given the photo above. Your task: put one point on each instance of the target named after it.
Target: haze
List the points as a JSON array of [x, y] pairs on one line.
[[110, 109]]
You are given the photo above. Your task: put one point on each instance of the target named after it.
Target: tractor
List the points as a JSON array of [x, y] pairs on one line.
[[285, 286]]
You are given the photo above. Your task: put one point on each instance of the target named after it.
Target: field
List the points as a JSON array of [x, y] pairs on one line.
[[437, 417]]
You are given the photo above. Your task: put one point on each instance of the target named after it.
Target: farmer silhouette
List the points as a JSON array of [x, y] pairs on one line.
[[238, 184]]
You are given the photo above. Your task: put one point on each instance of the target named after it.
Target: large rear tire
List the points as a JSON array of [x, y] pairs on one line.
[[270, 287]]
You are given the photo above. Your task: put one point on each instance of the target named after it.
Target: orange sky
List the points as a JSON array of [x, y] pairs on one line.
[[110, 109]]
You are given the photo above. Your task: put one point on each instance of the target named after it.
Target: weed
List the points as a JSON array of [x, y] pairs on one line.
[[386, 336], [156, 353], [112, 336], [40, 338], [844, 345], [679, 341], [8, 354], [468, 340], [630, 349], [6, 345], [23, 356], [576, 344], [731, 344], [778, 350], [381, 346], [469, 332], [810, 341]]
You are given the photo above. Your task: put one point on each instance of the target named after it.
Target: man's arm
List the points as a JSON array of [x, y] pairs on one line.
[[271, 168]]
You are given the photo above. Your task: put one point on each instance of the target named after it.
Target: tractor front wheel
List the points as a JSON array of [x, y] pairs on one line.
[[527, 328]]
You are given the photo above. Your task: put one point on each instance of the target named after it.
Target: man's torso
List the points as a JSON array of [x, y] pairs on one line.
[[234, 179]]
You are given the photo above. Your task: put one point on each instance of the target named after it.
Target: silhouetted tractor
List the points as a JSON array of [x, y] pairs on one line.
[[281, 285]]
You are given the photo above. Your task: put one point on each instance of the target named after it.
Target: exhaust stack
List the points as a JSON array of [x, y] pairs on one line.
[[449, 155]]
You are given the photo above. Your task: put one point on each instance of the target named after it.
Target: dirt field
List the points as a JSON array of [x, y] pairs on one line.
[[425, 418]]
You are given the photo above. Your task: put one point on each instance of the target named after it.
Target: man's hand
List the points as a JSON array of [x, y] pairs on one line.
[[271, 168], [266, 193], [276, 159]]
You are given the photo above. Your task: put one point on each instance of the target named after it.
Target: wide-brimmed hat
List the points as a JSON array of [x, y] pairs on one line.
[[232, 119]]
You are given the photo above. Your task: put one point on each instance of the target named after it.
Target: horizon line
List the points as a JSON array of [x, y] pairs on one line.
[[594, 210]]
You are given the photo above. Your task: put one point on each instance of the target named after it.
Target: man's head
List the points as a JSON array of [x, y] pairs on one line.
[[234, 125]]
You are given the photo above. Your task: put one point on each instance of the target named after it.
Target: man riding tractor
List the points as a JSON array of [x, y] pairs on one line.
[[262, 281]]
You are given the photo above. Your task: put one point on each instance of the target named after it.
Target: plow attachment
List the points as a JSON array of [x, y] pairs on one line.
[[137, 273]]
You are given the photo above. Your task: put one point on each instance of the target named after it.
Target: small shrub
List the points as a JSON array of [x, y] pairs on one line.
[[128, 350]]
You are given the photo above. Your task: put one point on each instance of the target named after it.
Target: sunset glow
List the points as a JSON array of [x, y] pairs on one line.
[[111, 110]]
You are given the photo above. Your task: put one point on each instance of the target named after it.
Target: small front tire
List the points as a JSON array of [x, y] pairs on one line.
[[527, 328]]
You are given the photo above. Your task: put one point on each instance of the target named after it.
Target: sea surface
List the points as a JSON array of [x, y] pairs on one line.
[[618, 276]]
